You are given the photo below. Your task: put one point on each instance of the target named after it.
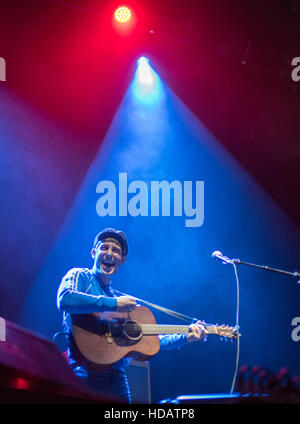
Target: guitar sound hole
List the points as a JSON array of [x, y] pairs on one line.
[[132, 330]]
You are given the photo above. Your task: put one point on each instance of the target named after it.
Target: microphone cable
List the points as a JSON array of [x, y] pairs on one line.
[[236, 326]]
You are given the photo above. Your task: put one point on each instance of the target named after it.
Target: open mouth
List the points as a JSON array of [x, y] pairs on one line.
[[107, 266]]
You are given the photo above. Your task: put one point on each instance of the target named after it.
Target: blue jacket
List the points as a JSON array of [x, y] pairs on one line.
[[80, 292]]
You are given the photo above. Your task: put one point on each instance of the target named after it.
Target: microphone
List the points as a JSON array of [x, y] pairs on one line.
[[220, 257]]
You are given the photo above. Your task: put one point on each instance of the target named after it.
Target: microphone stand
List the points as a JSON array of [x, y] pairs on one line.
[[235, 262], [294, 274]]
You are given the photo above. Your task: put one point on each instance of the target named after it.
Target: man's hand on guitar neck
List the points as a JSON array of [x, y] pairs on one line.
[[197, 332], [125, 303]]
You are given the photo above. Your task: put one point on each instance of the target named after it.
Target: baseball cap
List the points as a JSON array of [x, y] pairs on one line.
[[115, 234]]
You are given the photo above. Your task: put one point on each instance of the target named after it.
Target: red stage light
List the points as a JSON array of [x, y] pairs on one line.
[[21, 383], [122, 14]]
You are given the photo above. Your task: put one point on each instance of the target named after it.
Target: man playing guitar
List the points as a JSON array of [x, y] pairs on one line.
[[85, 292]]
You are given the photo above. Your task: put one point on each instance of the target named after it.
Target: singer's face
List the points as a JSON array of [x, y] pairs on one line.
[[108, 257]]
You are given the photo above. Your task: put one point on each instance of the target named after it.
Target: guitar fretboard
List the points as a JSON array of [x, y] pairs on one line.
[[151, 329]]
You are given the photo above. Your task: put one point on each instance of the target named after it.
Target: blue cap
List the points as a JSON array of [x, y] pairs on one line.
[[115, 234]]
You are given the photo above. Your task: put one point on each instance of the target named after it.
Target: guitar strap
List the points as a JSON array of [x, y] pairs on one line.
[[160, 308]]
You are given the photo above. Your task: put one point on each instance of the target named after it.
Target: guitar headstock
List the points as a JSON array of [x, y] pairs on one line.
[[227, 332]]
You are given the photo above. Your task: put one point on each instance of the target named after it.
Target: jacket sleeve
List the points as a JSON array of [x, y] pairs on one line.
[[72, 295], [172, 341]]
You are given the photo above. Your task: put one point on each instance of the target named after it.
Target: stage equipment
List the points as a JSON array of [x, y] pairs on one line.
[[33, 370], [122, 14]]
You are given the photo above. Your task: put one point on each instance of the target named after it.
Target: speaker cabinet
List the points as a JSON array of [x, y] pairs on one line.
[[139, 380]]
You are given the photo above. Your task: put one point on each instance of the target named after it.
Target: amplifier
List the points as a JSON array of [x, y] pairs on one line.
[[138, 374]]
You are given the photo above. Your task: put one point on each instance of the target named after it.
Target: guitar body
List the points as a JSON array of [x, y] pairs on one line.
[[105, 338]]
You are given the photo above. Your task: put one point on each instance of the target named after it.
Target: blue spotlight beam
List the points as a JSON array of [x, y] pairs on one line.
[[147, 86], [155, 137]]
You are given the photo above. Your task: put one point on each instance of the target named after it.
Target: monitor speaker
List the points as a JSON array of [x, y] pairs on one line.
[[32, 369]]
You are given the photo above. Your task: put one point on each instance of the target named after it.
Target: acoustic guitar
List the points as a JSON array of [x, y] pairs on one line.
[[105, 338]]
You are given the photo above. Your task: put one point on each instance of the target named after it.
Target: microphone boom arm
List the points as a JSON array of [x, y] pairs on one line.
[[294, 274]]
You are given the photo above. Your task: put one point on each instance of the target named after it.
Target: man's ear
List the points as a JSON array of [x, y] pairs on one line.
[[93, 251], [123, 259]]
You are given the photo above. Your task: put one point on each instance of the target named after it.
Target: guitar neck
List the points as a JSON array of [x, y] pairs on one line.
[[152, 330]]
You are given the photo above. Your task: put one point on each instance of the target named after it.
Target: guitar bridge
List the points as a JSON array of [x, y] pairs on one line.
[[108, 337]]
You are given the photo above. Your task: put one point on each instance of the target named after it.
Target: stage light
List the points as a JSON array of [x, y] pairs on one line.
[[145, 75], [21, 383], [122, 14], [147, 87]]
